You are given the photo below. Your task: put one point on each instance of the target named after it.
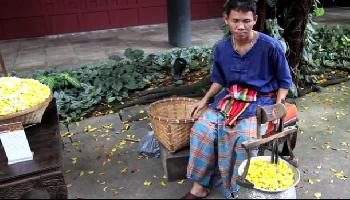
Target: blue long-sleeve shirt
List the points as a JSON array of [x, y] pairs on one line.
[[264, 68]]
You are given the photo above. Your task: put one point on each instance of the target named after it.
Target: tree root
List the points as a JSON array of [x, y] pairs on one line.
[[145, 97]]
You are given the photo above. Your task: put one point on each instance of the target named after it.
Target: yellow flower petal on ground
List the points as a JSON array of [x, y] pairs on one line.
[[125, 170], [147, 183], [181, 182], [162, 183], [81, 173], [317, 195]]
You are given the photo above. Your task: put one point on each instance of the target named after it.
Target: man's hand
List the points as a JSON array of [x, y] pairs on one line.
[[213, 90], [198, 106], [281, 95]]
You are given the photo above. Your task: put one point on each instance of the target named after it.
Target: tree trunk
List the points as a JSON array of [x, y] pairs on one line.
[[293, 17], [298, 12], [195, 90], [262, 15]]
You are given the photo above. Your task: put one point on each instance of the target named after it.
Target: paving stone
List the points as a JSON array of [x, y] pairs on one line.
[[91, 52], [9, 61], [63, 128], [34, 43], [9, 47], [57, 41], [133, 113], [61, 55], [113, 119], [98, 174], [28, 58]]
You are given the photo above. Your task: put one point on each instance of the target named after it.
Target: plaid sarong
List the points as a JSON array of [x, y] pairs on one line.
[[236, 102], [216, 150]]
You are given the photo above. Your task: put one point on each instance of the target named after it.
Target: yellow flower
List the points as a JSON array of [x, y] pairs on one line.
[[19, 94], [268, 176]]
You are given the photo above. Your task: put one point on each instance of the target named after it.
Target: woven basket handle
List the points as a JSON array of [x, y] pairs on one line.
[[3, 67]]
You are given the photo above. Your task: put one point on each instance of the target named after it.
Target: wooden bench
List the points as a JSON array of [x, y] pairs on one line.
[[44, 172]]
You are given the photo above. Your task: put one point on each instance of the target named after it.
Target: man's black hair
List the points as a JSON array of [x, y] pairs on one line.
[[240, 5]]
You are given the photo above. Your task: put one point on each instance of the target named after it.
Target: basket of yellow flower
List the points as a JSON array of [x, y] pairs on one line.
[[23, 100], [270, 177]]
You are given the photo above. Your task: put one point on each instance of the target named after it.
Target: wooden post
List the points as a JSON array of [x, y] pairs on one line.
[[179, 23], [2, 64]]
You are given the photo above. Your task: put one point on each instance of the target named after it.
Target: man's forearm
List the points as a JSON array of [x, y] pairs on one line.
[[213, 90], [281, 95]]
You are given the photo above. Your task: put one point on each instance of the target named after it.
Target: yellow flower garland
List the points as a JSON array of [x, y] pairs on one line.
[[19, 94]]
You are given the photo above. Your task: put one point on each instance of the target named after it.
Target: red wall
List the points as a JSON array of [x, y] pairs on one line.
[[29, 18]]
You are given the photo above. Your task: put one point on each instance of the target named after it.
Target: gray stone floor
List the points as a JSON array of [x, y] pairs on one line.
[[68, 50]]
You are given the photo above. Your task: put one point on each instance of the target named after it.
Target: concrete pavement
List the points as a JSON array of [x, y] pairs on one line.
[[69, 50]]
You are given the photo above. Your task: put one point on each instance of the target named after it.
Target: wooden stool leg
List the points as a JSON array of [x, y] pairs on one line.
[[2, 64], [242, 181], [55, 185]]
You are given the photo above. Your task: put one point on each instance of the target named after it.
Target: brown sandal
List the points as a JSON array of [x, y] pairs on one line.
[[189, 195]]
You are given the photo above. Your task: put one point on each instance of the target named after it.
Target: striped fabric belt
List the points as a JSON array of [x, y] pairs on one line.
[[237, 101]]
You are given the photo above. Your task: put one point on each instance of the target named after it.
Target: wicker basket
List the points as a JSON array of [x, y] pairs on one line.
[[29, 116], [171, 121]]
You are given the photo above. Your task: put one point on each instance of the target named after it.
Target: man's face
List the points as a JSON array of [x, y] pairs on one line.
[[240, 23]]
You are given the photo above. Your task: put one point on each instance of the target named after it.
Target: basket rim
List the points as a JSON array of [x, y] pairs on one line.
[[171, 120], [28, 110]]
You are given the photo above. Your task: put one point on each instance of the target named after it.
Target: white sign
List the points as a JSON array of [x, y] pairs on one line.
[[16, 146]]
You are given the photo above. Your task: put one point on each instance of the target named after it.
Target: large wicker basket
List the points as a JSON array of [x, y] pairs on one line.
[[171, 121], [29, 116]]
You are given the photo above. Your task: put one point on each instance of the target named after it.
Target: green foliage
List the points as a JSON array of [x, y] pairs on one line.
[[57, 81], [196, 57], [78, 92], [226, 30], [319, 12], [325, 48], [134, 55], [272, 3], [332, 47], [275, 30]]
